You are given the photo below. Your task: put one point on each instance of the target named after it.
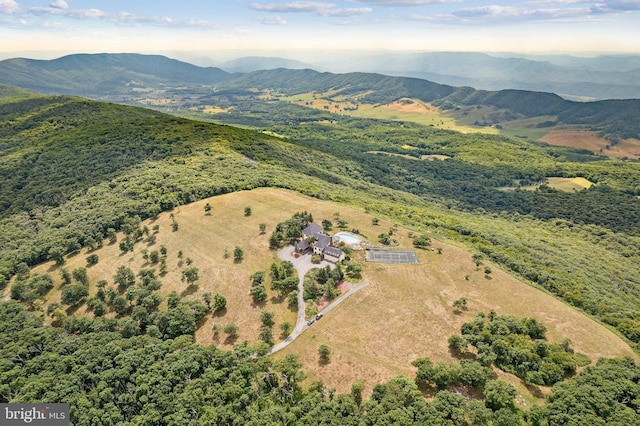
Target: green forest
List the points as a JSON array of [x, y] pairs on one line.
[[74, 171]]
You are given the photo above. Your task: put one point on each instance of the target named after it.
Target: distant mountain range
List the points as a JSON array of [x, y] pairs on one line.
[[602, 77], [152, 79]]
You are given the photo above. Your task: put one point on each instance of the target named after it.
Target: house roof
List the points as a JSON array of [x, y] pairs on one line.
[[333, 252], [322, 241], [302, 245], [312, 229]]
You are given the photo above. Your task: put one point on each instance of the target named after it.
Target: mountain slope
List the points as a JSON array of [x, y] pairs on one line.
[[104, 74]]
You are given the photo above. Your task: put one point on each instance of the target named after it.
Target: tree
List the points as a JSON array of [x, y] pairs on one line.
[[292, 299], [487, 271], [231, 330], [258, 293], [80, 275], [375, 221], [247, 211], [477, 260], [173, 299], [238, 254], [65, 276], [111, 235], [207, 209], [154, 256], [324, 352], [207, 298], [327, 225], [120, 305], [356, 391], [266, 334], [219, 303], [458, 343], [124, 277], [499, 394], [92, 259], [267, 318], [460, 305], [190, 275], [285, 328], [72, 294], [422, 241], [384, 239], [263, 228]]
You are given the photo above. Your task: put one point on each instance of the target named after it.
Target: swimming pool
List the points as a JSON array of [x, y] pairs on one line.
[[348, 238]]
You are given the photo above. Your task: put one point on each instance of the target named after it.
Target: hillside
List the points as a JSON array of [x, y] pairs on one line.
[[154, 162], [76, 172], [396, 296], [105, 75]]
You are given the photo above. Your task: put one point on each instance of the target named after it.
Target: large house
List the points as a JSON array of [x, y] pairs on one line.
[[321, 244]]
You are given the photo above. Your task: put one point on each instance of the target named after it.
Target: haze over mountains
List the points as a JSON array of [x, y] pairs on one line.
[[575, 78], [158, 81]]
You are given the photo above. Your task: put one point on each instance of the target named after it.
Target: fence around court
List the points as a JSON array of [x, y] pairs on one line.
[[391, 256]]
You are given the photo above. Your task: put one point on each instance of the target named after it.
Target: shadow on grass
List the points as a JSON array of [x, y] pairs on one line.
[[219, 313], [255, 304], [191, 289], [535, 390], [458, 354], [230, 340]]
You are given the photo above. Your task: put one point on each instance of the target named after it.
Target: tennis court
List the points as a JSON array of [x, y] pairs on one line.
[[391, 256]]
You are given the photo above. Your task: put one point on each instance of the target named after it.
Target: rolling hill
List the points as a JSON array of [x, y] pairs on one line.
[[166, 83], [75, 172]]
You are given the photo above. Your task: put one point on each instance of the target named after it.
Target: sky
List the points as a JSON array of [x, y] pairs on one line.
[[301, 29]]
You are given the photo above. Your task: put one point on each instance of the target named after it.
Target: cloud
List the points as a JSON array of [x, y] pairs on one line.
[[317, 8], [292, 7], [59, 4], [272, 20], [9, 7], [391, 3], [616, 6], [511, 14], [61, 8]]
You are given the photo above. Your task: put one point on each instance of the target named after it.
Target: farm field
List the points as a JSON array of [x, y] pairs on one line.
[[590, 140], [405, 109]]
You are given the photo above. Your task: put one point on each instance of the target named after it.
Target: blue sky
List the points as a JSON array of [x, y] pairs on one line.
[[281, 27]]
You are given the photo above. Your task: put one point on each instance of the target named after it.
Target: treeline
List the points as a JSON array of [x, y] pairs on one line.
[[109, 379]]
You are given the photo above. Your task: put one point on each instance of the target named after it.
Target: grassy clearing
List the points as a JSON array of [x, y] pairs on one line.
[[569, 184], [405, 312], [559, 183]]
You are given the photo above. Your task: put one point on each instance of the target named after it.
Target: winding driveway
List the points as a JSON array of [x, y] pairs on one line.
[[303, 265]]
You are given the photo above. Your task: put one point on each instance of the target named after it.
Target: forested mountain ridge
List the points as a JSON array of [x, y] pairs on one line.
[[157, 80], [612, 117], [98, 75]]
